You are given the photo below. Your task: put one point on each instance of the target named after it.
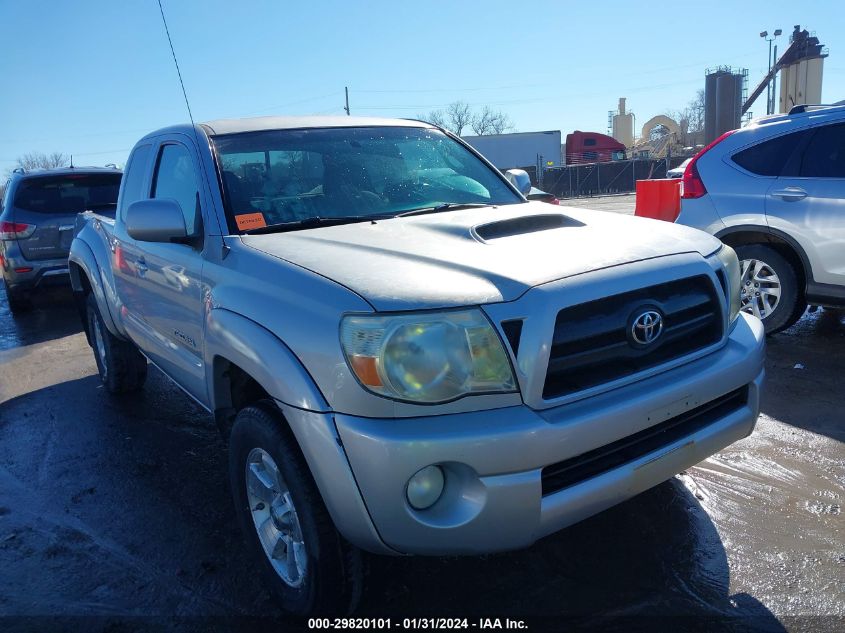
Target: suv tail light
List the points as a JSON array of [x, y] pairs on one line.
[[15, 230], [691, 184]]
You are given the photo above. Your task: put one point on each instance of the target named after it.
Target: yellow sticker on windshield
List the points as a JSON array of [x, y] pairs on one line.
[[248, 221]]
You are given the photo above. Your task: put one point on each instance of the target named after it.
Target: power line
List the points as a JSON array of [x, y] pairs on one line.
[[291, 103], [427, 90], [74, 136], [412, 106]]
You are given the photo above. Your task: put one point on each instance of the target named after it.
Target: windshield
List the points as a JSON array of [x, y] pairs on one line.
[[70, 193], [284, 176]]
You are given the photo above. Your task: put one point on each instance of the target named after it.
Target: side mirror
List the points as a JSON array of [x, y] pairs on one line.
[[520, 179], [156, 221]]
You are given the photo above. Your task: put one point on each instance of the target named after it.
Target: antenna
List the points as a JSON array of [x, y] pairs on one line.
[[178, 72]]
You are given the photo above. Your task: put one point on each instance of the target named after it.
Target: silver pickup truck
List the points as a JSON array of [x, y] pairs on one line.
[[405, 355]]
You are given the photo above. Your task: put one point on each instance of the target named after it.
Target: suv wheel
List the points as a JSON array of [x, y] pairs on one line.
[[769, 287], [289, 533], [18, 301], [122, 367]]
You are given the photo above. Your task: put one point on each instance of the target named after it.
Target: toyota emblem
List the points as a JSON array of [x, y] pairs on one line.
[[647, 327]]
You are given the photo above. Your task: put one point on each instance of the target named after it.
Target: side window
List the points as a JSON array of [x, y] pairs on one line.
[[133, 180], [824, 156], [769, 157], [175, 178]]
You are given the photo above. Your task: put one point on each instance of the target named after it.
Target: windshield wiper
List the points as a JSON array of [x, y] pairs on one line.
[[311, 223], [446, 206]]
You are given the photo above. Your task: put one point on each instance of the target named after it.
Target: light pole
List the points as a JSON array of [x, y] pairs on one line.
[[769, 88]]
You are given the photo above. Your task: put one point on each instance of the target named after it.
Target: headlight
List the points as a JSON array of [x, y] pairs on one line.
[[729, 260], [426, 357]]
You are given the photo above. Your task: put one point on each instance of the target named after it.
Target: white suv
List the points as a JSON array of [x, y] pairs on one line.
[[775, 192]]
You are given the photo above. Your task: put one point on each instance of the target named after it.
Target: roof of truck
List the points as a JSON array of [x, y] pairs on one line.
[[65, 171], [255, 124]]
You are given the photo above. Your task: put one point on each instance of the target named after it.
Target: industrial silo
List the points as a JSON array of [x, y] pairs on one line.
[[723, 95], [623, 125]]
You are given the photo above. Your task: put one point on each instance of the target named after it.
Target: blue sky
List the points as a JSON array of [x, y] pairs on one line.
[[90, 77]]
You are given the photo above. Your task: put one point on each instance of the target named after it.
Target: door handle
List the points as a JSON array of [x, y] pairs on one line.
[[790, 194], [142, 267]]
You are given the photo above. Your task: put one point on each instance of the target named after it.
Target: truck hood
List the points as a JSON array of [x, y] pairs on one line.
[[475, 256]]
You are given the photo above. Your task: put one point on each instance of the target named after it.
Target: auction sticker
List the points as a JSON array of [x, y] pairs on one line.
[[248, 221]]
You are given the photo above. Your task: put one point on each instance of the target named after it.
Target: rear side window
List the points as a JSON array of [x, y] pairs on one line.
[[824, 156], [71, 193], [133, 180], [175, 179], [769, 157]]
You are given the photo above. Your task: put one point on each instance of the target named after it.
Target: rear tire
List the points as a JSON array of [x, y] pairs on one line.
[[280, 511], [122, 367], [18, 301], [765, 272]]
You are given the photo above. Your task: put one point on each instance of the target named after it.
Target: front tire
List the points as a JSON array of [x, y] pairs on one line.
[[289, 534], [122, 367], [769, 287]]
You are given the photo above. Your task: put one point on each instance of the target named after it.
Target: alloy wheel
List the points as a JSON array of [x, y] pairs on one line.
[[275, 518], [760, 288]]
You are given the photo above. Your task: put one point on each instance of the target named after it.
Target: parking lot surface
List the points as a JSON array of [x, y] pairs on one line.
[[620, 203], [119, 509]]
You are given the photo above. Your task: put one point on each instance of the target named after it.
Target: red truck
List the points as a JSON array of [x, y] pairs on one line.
[[592, 147]]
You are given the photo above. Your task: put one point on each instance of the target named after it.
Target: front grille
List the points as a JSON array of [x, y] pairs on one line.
[[592, 343], [593, 463]]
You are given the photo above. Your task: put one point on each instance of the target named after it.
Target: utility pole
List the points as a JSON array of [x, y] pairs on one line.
[[769, 89], [774, 79], [768, 69], [346, 90]]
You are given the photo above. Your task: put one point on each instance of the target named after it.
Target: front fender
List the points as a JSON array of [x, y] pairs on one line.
[[262, 355], [82, 256], [236, 339]]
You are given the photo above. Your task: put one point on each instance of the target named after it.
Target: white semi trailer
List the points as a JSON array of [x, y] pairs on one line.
[[520, 149]]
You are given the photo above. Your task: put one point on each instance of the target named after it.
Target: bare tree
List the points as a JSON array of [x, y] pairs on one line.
[[696, 112], [501, 123], [691, 121], [459, 116], [435, 117], [482, 123], [693, 116], [36, 160], [490, 121]]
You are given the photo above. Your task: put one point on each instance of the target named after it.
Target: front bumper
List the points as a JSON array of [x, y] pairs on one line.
[[493, 460]]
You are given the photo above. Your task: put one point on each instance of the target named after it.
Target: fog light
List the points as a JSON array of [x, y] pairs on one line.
[[425, 488]]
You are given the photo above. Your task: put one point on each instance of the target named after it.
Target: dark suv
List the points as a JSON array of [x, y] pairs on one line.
[[36, 224]]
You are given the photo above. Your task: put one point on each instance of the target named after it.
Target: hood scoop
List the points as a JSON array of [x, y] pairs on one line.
[[522, 225]]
